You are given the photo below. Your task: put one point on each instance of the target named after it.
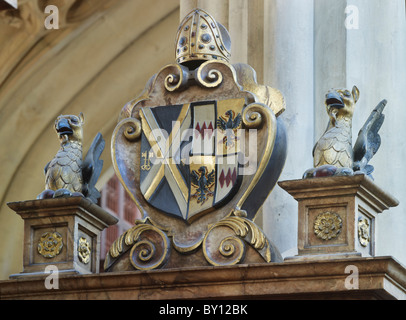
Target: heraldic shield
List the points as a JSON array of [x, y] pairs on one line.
[[198, 152], [190, 155]]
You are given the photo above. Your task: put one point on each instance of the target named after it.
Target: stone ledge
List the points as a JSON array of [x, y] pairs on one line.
[[60, 206], [379, 278], [340, 186]]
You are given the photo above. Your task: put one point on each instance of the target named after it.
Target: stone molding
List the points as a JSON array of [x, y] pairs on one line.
[[379, 278]]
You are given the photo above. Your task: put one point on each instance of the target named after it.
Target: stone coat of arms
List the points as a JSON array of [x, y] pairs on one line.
[[198, 151]]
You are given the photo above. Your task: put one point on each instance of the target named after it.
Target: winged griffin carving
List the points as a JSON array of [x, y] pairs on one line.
[[68, 174], [334, 154]]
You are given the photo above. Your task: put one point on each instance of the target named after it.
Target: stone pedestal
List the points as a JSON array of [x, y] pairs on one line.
[[63, 232], [337, 215]]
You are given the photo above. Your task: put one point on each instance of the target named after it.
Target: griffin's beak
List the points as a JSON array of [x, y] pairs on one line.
[[63, 127], [334, 100]]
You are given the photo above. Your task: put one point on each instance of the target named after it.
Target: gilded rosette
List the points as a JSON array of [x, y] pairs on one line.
[[84, 250], [364, 232], [328, 225], [50, 244]]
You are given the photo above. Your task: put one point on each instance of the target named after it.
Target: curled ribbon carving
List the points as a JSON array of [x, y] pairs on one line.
[[131, 128], [174, 77], [225, 242], [149, 245], [207, 76]]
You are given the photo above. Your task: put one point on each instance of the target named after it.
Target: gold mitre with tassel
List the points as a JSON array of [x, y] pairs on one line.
[[200, 37]]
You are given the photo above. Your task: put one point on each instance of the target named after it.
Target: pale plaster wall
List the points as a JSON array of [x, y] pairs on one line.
[[289, 67], [376, 63]]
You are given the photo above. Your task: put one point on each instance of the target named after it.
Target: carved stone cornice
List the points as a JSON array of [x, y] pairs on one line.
[[379, 278]]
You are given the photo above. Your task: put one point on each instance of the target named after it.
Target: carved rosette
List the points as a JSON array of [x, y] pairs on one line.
[[328, 225], [84, 250], [363, 232], [50, 244]]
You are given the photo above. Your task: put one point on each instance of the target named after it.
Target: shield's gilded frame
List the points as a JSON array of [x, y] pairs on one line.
[[212, 81]]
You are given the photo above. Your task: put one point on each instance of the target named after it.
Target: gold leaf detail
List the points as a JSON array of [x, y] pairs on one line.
[[232, 248], [50, 244], [364, 232], [328, 225], [84, 250]]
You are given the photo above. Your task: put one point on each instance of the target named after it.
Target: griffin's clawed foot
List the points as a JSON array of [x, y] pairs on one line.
[[327, 171], [60, 193]]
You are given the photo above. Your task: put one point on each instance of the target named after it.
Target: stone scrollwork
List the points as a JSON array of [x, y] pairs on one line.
[[150, 246], [225, 241], [132, 129], [328, 225], [253, 116], [50, 244], [208, 75], [173, 77], [177, 78]]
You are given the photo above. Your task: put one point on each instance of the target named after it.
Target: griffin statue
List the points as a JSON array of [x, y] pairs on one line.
[[67, 174], [333, 154]]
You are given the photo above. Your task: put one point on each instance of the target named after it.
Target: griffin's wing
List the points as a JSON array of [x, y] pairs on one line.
[[194, 178], [211, 177], [91, 168], [221, 124], [46, 167], [369, 140], [237, 121]]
